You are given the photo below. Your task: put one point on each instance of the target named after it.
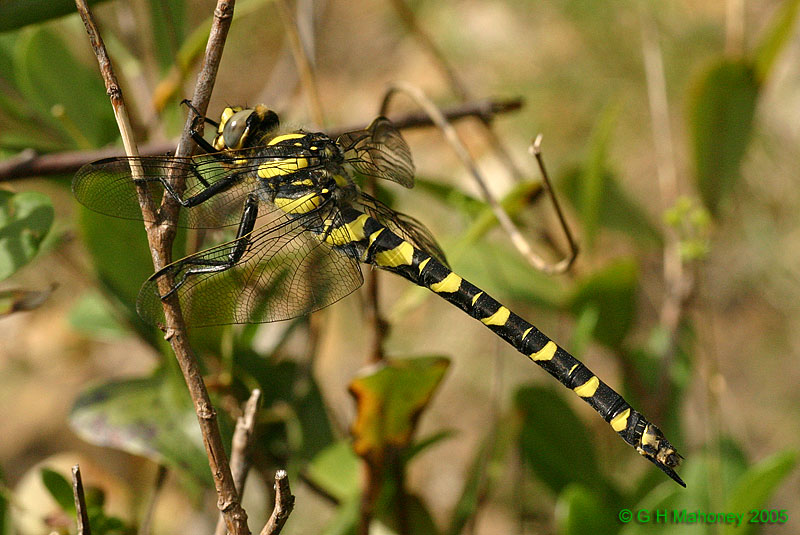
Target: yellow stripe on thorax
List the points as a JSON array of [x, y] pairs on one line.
[[285, 166], [285, 137], [300, 205]]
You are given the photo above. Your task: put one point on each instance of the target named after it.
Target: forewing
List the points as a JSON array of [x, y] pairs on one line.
[[379, 151], [108, 186], [286, 272], [405, 226]]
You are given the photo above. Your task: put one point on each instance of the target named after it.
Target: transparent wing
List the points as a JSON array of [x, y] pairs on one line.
[[405, 226], [287, 271], [379, 151], [107, 186]]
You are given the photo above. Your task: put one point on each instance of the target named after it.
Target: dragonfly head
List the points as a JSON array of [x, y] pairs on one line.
[[244, 127]]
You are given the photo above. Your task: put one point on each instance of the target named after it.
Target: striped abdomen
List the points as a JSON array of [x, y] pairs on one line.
[[379, 246]]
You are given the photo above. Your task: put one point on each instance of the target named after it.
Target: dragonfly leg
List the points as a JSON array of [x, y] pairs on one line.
[[212, 189], [211, 265], [188, 103]]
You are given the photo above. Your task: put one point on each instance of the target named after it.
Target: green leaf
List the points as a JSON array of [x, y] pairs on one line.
[[594, 170], [774, 38], [431, 440], [390, 399], [721, 111], [757, 484], [306, 426], [468, 501], [19, 13], [42, 62], [345, 520], [17, 300], [59, 488], [122, 261], [554, 442], [143, 416], [612, 291], [418, 519], [168, 21], [450, 196], [513, 203], [336, 470], [5, 520], [616, 210], [579, 510], [92, 316], [25, 220]]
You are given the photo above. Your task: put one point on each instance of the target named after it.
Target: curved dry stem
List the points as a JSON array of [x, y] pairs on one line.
[[461, 151], [564, 264], [305, 65], [459, 88]]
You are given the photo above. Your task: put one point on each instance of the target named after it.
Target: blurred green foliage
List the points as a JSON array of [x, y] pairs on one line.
[[576, 468]]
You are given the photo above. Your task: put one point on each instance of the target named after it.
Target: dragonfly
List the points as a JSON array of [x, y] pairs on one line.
[[303, 229]]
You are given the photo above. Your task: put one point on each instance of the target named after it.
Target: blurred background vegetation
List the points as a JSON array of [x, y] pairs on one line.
[[671, 131]]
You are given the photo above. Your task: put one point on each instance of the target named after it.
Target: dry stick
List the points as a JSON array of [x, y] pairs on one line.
[[284, 503], [240, 448], [410, 20], [80, 502], [304, 65], [563, 265], [678, 281], [461, 151], [29, 164], [146, 524], [160, 240]]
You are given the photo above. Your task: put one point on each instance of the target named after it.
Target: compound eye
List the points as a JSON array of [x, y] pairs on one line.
[[235, 128]]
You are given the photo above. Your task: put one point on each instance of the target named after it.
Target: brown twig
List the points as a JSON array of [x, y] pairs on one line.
[[563, 265], [146, 524], [678, 280], [240, 448], [459, 88], [160, 238], [80, 502], [463, 154], [284, 503], [305, 66], [30, 164]]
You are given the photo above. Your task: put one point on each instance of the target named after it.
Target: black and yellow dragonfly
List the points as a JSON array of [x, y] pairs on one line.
[[304, 228]]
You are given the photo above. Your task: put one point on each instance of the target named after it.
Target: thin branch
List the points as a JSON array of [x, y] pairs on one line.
[[305, 66], [563, 265], [80, 502], [240, 448], [461, 151], [30, 164], [160, 238], [284, 503], [459, 88], [678, 280], [145, 526]]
